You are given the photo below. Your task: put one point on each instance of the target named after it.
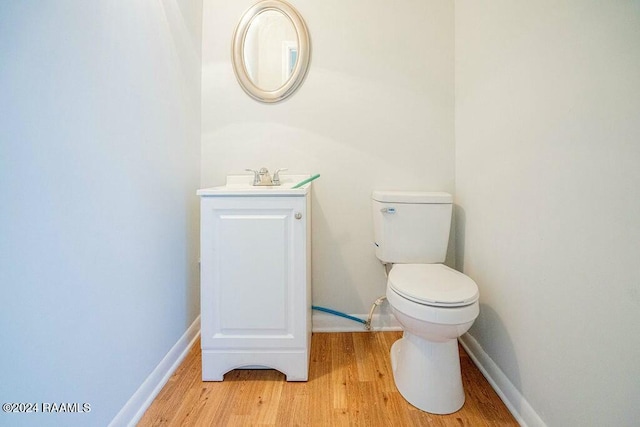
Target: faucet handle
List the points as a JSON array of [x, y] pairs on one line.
[[256, 176], [276, 176]]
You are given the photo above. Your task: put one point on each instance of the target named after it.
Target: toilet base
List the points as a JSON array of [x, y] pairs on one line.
[[427, 374]]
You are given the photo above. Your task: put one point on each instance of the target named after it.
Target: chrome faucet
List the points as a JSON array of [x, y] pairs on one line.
[[263, 177]]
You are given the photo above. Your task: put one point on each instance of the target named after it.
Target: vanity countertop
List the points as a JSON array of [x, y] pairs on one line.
[[241, 185]]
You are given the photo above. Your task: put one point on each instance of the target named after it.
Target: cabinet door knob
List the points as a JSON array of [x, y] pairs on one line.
[[298, 215]]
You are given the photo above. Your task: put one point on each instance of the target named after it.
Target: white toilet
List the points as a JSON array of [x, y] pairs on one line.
[[434, 303]]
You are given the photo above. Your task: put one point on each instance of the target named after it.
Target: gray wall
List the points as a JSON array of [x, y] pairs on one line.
[[99, 163], [548, 195], [375, 112]]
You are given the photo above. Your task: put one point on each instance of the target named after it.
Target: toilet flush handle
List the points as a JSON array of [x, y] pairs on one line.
[[388, 210]]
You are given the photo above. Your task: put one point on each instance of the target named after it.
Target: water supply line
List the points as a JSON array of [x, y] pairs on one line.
[[338, 313], [376, 303]]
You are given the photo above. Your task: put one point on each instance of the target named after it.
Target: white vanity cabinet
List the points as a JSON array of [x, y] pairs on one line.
[[255, 281]]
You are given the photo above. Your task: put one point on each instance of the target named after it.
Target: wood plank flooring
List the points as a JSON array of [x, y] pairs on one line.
[[350, 384]]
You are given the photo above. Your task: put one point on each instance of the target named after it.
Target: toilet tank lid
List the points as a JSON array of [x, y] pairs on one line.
[[412, 196]]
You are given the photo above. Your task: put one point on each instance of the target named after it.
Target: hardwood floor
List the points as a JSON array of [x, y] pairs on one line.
[[350, 384]]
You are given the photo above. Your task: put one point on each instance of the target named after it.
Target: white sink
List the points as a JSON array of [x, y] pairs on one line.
[[242, 185]]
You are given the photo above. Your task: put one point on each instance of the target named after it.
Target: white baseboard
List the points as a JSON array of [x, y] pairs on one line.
[[325, 322], [136, 406], [519, 407]]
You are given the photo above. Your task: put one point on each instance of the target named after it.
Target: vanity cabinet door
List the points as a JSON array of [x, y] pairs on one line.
[[253, 278]]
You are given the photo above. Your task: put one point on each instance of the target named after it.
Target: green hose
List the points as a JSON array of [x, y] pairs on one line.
[[301, 183]]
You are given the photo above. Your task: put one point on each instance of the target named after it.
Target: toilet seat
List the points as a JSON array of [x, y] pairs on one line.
[[433, 285]]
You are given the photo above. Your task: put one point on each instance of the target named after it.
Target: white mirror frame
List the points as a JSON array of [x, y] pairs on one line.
[[302, 61]]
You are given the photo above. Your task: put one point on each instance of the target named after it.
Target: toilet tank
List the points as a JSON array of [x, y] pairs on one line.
[[411, 227]]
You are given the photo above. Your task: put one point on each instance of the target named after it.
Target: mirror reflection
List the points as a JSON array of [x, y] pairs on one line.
[[270, 49]]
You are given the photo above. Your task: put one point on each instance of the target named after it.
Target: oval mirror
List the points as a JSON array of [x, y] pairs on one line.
[[270, 51]]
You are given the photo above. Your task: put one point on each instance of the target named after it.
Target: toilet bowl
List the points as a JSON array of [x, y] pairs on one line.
[[435, 305]]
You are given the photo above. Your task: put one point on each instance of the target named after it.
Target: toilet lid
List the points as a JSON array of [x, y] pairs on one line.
[[433, 284]]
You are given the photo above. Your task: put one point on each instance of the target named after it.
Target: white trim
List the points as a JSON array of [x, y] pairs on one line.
[[136, 406], [519, 407], [325, 322]]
